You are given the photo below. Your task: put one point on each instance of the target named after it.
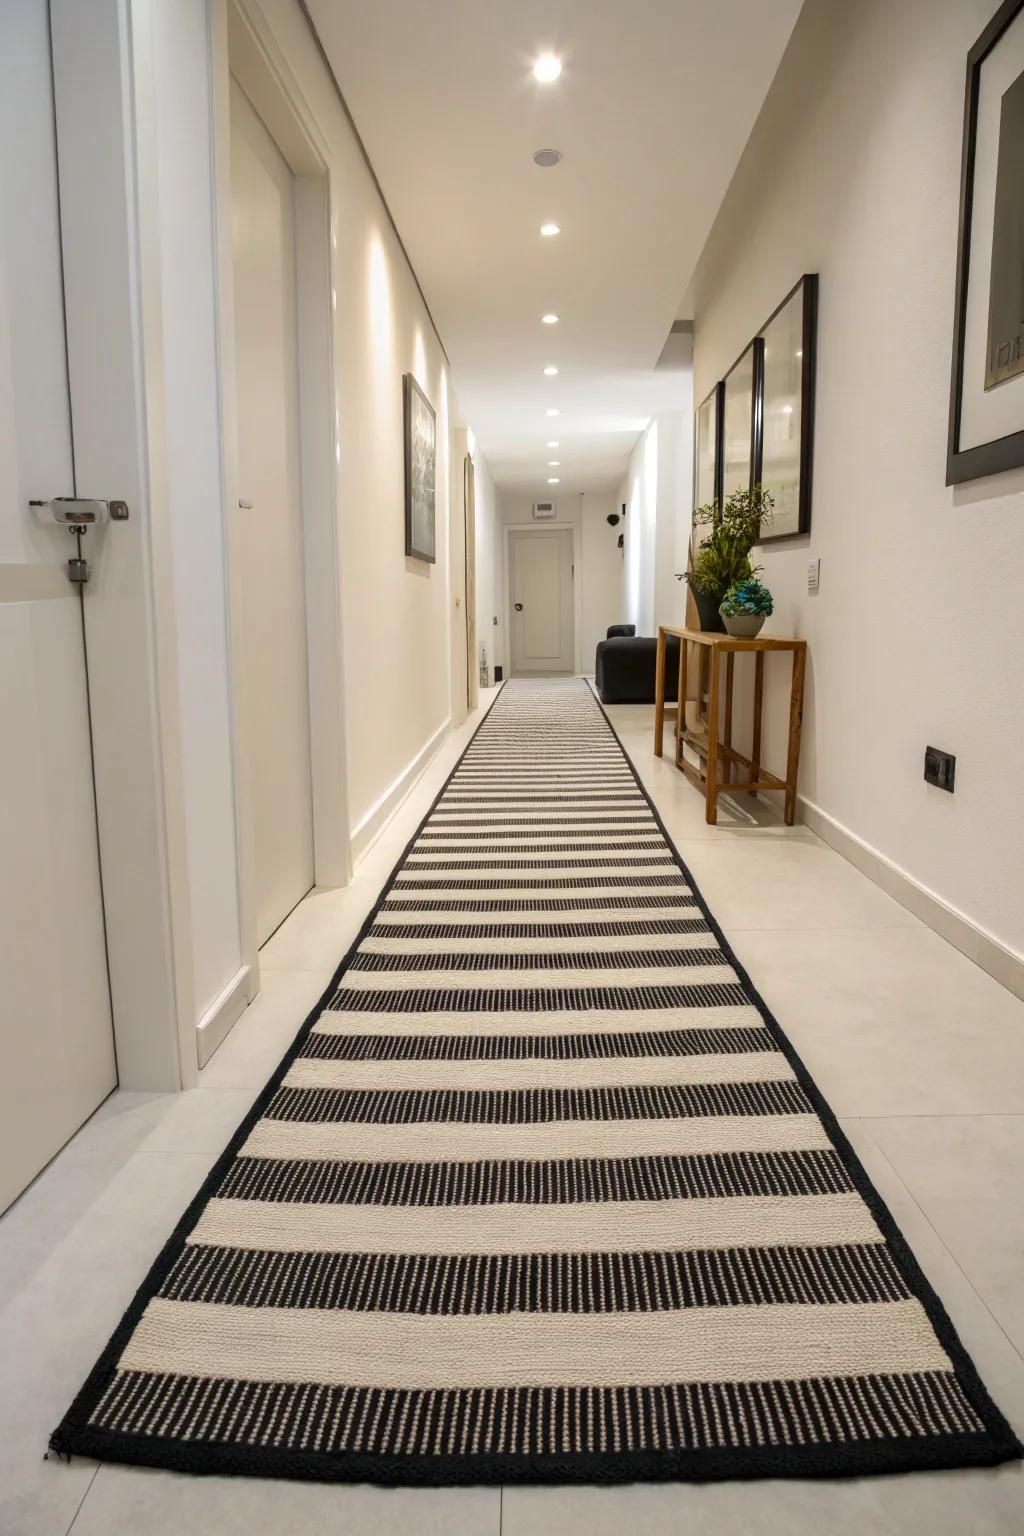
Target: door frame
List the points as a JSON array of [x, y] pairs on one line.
[[469, 543], [242, 45], [577, 611]]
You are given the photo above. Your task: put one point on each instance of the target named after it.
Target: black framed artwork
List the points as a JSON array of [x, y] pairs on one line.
[[420, 471], [986, 402], [707, 454], [785, 463], [741, 427]]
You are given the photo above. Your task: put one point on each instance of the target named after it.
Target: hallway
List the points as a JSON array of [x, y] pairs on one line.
[[428, 1103], [867, 993]]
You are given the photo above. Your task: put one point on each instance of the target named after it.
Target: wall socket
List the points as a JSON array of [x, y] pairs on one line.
[[939, 768], [813, 574]]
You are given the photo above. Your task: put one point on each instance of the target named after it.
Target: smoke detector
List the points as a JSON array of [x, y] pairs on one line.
[[546, 157]]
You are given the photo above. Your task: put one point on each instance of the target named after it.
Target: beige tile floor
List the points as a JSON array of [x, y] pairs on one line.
[[919, 1052]]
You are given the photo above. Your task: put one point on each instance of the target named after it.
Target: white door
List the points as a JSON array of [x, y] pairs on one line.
[[272, 654], [56, 1034], [541, 595]]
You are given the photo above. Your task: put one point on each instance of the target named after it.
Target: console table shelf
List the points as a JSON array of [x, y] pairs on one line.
[[719, 761]]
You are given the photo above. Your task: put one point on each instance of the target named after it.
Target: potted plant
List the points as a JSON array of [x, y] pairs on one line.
[[745, 607], [723, 556]]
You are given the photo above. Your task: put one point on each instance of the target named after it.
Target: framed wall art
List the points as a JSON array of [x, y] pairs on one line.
[[420, 471], [707, 450], [986, 404], [741, 428], [789, 338]]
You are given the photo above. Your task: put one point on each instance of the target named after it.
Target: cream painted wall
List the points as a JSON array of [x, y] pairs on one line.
[[394, 608], [488, 634], [916, 635], [601, 574]]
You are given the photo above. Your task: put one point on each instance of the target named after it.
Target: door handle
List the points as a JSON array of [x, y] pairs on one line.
[[519, 607]]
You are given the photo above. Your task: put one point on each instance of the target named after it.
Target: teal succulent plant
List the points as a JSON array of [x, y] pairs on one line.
[[747, 596]]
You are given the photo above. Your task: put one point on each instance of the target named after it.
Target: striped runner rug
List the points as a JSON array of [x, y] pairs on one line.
[[541, 1192]]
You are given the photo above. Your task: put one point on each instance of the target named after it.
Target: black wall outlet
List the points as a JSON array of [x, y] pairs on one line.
[[939, 768]]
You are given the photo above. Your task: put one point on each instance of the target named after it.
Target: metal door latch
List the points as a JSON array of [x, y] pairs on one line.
[[79, 512]]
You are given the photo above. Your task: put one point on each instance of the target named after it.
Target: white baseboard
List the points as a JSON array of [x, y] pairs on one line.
[[1003, 964], [366, 830], [225, 1010]]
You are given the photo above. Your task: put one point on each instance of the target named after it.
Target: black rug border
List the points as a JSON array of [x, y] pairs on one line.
[[75, 1436]]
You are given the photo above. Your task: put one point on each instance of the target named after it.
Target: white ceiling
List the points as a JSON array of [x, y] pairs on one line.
[[652, 110]]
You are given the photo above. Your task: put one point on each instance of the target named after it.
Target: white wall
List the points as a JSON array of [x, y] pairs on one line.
[[659, 502], [602, 568], [916, 636]]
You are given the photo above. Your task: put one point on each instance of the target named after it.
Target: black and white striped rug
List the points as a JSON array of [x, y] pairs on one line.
[[540, 1193]]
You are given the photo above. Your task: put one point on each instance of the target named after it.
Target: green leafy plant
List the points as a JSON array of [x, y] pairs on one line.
[[748, 596], [723, 556]]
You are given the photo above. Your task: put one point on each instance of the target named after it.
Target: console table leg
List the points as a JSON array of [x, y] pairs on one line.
[[681, 701], [796, 715], [711, 792], [755, 751], [659, 693]]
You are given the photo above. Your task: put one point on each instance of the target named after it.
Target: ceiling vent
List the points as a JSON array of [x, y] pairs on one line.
[[546, 157], [543, 509]]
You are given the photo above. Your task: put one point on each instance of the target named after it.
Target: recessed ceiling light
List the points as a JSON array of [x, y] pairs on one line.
[[547, 68], [551, 370], [553, 411], [553, 480], [547, 157], [550, 230], [549, 319], [552, 445], [554, 463]]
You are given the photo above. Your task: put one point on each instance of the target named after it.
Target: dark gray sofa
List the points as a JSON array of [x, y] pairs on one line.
[[624, 666]]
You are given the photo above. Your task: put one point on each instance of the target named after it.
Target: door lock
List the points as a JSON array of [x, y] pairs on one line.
[[79, 512]]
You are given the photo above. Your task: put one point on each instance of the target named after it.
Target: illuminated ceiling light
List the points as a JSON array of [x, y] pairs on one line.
[[549, 231], [552, 445], [549, 319], [553, 480], [547, 68], [551, 370], [554, 463], [553, 411]]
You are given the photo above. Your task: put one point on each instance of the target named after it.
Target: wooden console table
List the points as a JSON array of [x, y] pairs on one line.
[[720, 756]]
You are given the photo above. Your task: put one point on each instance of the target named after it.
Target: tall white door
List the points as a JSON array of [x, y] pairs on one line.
[[56, 1035], [541, 594], [272, 656]]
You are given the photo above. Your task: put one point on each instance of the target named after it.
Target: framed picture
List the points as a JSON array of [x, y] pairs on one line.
[[707, 456], [420, 471], [986, 398], [741, 428], [787, 408]]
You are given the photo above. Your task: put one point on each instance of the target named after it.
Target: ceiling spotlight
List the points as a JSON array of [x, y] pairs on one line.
[[550, 230], [552, 445], [553, 411], [553, 480], [549, 319], [547, 68], [551, 370], [554, 463], [547, 157]]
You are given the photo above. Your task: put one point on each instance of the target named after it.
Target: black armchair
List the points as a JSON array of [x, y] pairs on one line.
[[625, 663]]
